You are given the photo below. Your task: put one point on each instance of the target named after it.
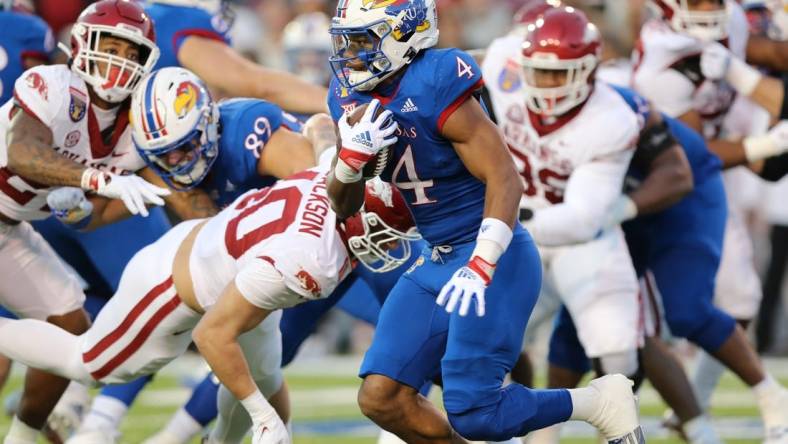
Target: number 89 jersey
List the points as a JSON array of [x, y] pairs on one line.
[[289, 225], [447, 202]]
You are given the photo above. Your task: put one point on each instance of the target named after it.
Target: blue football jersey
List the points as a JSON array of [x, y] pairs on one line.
[[245, 127], [446, 200], [23, 36], [703, 162], [174, 23]]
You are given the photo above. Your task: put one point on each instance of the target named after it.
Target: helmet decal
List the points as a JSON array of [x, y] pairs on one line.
[[188, 94]]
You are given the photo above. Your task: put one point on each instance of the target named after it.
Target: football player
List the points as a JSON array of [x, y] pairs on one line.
[[669, 75], [197, 37], [54, 137], [231, 139], [453, 168], [221, 278], [29, 41]]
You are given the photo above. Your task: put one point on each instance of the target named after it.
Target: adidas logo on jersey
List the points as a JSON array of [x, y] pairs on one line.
[[409, 106], [363, 139]]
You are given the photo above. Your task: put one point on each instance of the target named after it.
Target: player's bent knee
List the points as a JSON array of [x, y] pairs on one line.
[[379, 397], [478, 425]]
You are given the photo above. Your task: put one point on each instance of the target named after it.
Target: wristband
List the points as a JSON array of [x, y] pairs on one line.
[[493, 239], [742, 77], [345, 173], [759, 148], [93, 179], [259, 409]]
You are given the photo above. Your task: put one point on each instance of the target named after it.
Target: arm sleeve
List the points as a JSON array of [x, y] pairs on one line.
[[457, 77], [591, 191], [264, 286], [35, 93]]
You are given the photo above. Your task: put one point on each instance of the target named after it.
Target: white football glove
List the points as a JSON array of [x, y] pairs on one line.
[[714, 61], [465, 285], [133, 190], [362, 141], [718, 63], [273, 432], [69, 205], [773, 143]]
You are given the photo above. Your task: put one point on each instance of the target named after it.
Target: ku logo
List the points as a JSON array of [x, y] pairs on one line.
[[187, 96], [308, 283]]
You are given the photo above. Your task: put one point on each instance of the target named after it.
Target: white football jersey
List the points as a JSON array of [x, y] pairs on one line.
[[604, 128], [59, 99], [290, 225], [667, 71]]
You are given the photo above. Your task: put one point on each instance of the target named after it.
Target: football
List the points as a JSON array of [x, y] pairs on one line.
[[374, 167]]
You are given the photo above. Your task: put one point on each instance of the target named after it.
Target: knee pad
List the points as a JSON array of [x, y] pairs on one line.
[[625, 363]]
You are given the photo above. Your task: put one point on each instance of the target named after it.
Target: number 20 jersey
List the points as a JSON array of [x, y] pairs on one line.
[[447, 202], [290, 225]]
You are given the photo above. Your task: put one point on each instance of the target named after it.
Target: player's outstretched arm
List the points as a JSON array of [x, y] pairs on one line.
[[216, 336], [190, 204], [30, 153], [483, 151], [669, 175], [285, 154], [223, 68]]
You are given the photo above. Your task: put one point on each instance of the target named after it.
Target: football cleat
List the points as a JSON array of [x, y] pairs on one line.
[[95, 436], [617, 417]]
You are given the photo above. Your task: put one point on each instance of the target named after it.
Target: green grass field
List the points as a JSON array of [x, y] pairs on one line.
[[325, 410]]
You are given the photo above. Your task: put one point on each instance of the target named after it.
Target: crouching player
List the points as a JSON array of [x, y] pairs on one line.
[[270, 249]]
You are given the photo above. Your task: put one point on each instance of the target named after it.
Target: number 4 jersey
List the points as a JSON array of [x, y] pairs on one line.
[[290, 226]]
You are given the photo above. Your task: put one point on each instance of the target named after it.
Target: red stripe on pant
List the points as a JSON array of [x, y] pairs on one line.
[[124, 326], [138, 340]]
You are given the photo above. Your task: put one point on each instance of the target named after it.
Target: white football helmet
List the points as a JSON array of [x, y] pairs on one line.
[[175, 126], [121, 19], [703, 25], [307, 46], [373, 39]]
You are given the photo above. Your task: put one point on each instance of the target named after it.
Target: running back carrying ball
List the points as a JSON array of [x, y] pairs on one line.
[[354, 159]]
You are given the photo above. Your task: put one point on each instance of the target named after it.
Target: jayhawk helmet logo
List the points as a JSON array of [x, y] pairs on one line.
[[186, 98]]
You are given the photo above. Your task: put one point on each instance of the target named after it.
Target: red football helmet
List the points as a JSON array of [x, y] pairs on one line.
[[561, 40], [124, 19], [383, 221], [703, 24], [529, 12]]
